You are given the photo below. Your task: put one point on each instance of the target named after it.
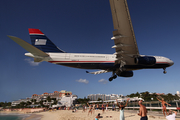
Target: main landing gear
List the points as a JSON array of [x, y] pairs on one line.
[[113, 77], [164, 70]]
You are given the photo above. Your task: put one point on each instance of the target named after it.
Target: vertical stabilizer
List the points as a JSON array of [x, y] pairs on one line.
[[40, 41]]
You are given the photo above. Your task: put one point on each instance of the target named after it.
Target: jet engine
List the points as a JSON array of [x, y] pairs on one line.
[[146, 60], [125, 73]]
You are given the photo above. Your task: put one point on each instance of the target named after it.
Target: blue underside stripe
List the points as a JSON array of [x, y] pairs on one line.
[[110, 66]]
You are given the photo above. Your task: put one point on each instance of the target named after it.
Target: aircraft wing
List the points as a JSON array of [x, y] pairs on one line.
[[123, 35]]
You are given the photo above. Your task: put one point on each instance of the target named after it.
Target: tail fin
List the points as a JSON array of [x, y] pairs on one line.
[[40, 41]]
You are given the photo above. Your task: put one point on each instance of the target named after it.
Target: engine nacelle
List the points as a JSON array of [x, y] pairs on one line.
[[146, 60], [125, 74]]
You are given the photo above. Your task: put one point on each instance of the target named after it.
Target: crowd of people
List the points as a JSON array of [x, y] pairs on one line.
[[142, 109]]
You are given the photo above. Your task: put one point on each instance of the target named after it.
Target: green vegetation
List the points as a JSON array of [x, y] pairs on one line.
[[152, 96], [5, 104], [83, 101]]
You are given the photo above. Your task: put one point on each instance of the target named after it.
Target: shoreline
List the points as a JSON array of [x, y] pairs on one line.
[[24, 116]]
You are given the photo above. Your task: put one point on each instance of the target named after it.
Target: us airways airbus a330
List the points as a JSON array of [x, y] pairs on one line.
[[121, 63]]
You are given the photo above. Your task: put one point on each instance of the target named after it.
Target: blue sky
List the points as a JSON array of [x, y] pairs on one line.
[[85, 26]]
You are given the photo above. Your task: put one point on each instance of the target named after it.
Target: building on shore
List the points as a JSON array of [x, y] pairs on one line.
[[104, 97], [178, 94], [56, 95], [14, 103]]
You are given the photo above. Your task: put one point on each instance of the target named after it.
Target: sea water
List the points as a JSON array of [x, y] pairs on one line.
[[10, 117], [13, 116]]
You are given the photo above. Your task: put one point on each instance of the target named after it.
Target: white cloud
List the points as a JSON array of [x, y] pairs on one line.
[[83, 81], [31, 62], [103, 81]]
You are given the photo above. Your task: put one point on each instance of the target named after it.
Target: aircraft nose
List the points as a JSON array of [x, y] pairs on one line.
[[171, 63]]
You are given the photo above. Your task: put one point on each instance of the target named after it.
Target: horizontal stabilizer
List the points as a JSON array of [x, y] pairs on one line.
[[98, 72], [30, 48]]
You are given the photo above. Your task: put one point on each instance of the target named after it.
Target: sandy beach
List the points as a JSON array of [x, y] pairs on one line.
[[109, 115]]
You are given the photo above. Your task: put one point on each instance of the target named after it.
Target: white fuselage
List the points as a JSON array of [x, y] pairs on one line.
[[96, 61]]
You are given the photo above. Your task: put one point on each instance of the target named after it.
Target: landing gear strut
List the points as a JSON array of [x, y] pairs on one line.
[[164, 70]]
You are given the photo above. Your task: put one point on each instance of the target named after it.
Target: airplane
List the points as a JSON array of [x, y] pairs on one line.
[[121, 63]]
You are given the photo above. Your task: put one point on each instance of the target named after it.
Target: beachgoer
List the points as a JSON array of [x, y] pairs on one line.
[[121, 108], [113, 107], [171, 115], [107, 107], [98, 116], [93, 107], [90, 108], [163, 105], [83, 108], [142, 111], [102, 108], [97, 106]]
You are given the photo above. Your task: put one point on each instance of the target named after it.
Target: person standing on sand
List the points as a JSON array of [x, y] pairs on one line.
[[171, 116], [142, 111], [93, 107], [90, 109], [106, 107], [102, 108], [163, 105], [97, 107], [113, 107], [83, 108], [121, 108]]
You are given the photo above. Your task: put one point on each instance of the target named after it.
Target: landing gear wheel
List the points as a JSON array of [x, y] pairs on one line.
[[113, 77], [110, 79], [164, 71]]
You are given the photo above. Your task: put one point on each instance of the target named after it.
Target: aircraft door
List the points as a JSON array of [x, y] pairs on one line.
[[107, 57], [67, 56]]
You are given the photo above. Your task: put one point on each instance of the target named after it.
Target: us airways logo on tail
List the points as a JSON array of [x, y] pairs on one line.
[[40, 42]]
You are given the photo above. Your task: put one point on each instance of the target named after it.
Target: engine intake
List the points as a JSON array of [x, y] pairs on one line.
[[125, 74], [145, 60]]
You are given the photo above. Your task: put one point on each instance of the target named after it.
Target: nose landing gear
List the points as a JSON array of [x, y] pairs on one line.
[[164, 70]]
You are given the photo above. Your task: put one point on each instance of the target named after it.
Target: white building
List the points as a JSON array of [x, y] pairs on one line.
[[67, 101], [178, 93], [104, 97]]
